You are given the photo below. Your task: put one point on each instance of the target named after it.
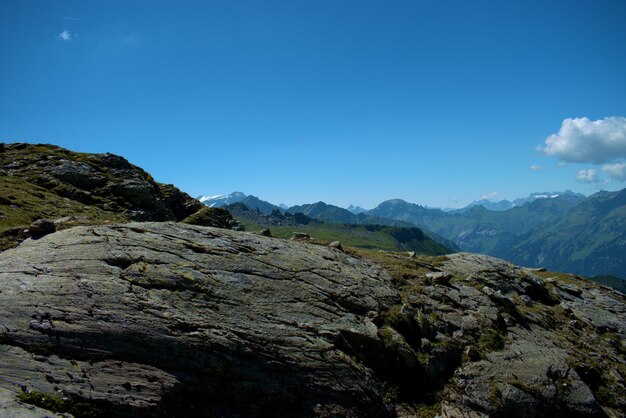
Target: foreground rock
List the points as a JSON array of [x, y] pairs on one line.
[[165, 319], [178, 320]]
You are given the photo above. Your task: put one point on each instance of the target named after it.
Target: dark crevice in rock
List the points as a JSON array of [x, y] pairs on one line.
[[120, 262]]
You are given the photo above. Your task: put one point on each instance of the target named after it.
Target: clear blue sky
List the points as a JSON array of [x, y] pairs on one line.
[[436, 102]]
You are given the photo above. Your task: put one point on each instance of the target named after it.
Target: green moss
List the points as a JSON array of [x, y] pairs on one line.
[[50, 401], [422, 321], [393, 315], [614, 340], [436, 261], [491, 340], [390, 393], [495, 397], [605, 396], [427, 411], [387, 337]]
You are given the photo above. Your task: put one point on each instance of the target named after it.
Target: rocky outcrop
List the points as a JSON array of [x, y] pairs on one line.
[[215, 217], [69, 188], [561, 344], [166, 319], [106, 181]]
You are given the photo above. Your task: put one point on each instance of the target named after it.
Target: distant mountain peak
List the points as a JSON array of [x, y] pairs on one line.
[[356, 209], [251, 201], [222, 200]]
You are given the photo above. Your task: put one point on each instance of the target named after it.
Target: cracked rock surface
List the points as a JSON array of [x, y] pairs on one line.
[[168, 319]]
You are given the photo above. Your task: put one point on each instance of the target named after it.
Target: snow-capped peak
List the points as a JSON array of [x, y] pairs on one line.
[[222, 200]]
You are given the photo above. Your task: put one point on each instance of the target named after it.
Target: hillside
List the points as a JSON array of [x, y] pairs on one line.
[[324, 212], [565, 233], [590, 239], [284, 225], [71, 188]]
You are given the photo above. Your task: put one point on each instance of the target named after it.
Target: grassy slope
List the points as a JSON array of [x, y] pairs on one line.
[[47, 181], [22, 202], [363, 236], [590, 239]]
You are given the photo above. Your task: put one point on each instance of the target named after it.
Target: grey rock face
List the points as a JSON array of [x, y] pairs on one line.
[[165, 319], [170, 319], [535, 372]]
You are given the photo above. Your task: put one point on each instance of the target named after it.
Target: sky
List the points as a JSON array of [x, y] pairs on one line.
[[349, 102]]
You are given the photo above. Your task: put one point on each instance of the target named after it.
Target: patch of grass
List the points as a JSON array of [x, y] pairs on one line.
[[495, 397], [427, 411], [362, 236], [491, 340], [562, 277], [605, 396], [24, 202], [50, 401], [393, 315], [54, 402], [408, 273], [390, 393]]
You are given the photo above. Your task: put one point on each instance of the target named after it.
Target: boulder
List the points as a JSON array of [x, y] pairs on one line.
[[166, 319], [301, 236], [265, 232], [336, 245], [42, 227]]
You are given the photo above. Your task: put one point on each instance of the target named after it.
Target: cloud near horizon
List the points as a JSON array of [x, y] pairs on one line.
[[535, 168], [617, 171], [489, 196], [581, 140], [587, 176]]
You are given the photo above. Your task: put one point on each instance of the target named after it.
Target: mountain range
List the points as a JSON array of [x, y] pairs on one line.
[[507, 204], [562, 231]]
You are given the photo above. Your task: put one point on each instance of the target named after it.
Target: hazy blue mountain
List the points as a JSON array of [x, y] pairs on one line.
[[610, 281], [561, 231], [326, 213], [546, 195], [489, 204], [334, 214], [478, 229], [254, 202], [566, 232], [356, 209], [590, 239], [385, 237], [502, 205]]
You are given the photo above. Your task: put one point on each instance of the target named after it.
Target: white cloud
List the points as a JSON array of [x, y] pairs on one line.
[[616, 171], [70, 18], [581, 140], [587, 176], [535, 168], [66, 36], [489, 196]]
